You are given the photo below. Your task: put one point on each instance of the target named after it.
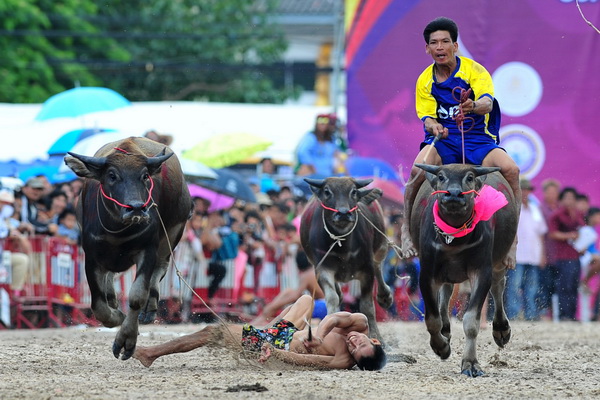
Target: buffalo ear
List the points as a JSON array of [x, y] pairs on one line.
[[155, 163], [481, 173], [367, 196], [360, 183], [84, 166]]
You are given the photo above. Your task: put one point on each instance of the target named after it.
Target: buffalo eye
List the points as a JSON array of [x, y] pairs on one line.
[[441, 178], [353, 192], [145, 177], [327, 192], [112, 177], [470, 178]]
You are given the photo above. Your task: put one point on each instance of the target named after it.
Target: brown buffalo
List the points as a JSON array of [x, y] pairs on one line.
[[132, 211]]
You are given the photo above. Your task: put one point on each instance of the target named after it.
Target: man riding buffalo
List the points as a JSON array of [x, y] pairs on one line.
[[455, 101]]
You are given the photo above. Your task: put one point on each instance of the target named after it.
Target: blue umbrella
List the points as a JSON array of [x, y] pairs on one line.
[[373, 167], [80, 101], [68, 140]]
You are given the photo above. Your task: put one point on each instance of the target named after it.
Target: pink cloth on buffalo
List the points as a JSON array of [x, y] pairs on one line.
[[487, 203]]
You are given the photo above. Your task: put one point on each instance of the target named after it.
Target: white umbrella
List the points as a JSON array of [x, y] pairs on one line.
[[90, 145]]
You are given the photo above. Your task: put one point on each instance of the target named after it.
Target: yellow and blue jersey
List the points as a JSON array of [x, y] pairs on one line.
[[440, 100]]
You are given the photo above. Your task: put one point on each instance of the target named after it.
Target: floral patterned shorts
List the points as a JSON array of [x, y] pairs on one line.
[[279, 335]]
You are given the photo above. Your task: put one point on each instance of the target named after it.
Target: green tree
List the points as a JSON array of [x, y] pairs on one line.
[[216, 50], [41, 55]]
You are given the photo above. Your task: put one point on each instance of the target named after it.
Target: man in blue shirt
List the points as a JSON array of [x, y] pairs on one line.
[[317, 150]]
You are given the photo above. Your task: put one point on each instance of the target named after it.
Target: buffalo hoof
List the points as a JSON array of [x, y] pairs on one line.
[[386, 300], [501, 334], [127, 352], [443, 351], [147, 317], [472, 369]]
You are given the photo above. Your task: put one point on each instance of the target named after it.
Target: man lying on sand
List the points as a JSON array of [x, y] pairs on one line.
[[339, 342]]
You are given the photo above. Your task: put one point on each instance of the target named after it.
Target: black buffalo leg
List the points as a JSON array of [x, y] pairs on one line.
[[480, 287], [500, 327], [104, 300], [429, 290]]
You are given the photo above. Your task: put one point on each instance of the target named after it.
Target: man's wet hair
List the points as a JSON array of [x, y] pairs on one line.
[[441, 24], [375, 362]]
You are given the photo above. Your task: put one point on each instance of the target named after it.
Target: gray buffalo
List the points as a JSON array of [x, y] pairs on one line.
[[132, 211]]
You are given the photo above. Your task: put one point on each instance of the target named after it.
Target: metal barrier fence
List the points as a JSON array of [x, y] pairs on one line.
[[56, 293]]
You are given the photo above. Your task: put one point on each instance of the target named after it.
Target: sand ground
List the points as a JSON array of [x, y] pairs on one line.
[[543, 360]]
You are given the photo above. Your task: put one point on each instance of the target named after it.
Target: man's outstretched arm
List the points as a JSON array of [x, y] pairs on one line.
[[315, 361]]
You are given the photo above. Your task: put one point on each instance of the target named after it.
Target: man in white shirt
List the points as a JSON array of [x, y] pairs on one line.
[[522, 283]]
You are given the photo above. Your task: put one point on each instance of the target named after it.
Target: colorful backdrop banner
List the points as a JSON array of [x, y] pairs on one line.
[[544, 60]]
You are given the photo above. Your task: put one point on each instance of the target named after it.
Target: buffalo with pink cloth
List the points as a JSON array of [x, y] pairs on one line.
[[464, 230]]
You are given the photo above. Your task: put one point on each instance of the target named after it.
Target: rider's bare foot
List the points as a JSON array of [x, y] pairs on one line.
[[408, 248], [141, 354], [510, 260]]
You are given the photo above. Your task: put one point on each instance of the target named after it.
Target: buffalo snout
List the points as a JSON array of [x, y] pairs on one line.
[[343, 215], [453, 200], [136, 213]]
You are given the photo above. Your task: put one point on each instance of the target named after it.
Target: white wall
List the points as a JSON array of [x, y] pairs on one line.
[[25, 139]]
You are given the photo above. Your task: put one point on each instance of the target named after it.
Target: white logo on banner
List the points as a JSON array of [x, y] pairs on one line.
[[518, 88], [525, 146]]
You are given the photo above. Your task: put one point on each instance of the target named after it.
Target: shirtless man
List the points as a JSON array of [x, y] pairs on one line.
[[339, 342]]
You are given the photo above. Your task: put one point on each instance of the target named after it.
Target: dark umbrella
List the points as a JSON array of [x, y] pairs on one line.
[[229, 183]]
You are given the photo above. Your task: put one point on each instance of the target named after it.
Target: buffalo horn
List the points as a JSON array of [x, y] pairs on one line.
[[154, 162], [97, 162], [318, 183]]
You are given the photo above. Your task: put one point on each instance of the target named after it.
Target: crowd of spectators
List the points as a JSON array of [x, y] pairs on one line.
[[37, 209], [557, 256]]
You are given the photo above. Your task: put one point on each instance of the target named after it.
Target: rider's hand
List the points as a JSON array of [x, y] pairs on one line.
[[310, 344], [439, 129], [435, 128]]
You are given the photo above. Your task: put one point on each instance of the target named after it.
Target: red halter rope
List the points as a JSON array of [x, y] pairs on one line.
[[125, 205], [334, 210], [467, 192]]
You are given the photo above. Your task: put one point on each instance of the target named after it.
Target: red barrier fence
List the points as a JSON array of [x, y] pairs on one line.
[[56, 293]]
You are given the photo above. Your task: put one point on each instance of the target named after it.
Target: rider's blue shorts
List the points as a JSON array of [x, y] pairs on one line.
[[450, 149]]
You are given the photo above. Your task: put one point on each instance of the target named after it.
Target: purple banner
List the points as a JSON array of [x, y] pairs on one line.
[[544, 60]]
